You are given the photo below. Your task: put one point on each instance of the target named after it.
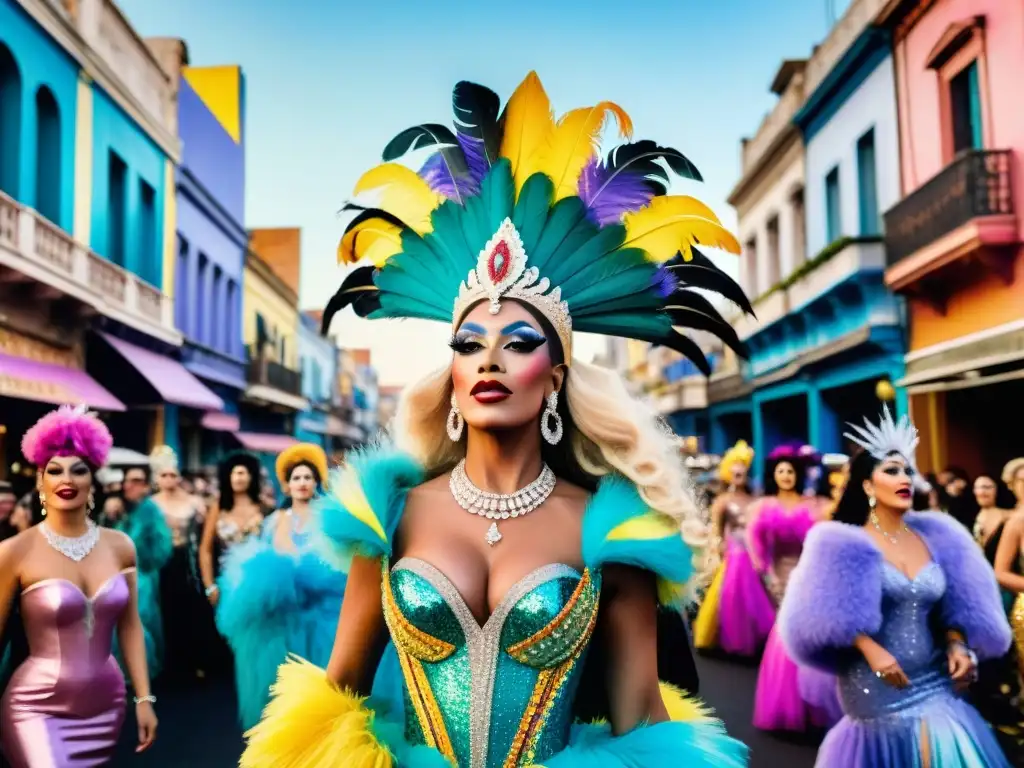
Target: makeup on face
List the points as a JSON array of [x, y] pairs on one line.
[[519, 338], [301, 484], [899, 478], [67, 481]]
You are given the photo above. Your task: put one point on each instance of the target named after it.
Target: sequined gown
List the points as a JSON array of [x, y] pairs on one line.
[[184, 607], [65, 704], [746, 615], [883, 725]]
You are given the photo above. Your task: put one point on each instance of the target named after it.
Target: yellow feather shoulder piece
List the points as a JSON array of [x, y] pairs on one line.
[[403, 194], [670, 225], [529, 125], [575, 141], [373, 240], [681, 706], [309, 723]]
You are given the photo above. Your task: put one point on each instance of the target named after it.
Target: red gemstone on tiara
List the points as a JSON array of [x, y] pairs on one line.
[[499, 262]]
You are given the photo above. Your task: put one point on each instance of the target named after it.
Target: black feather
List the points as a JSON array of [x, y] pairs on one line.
[[688, 348], [371, 213], [476, 109], [358, 291], [691, 310], [432, 135], [701, 272], [641, 158]]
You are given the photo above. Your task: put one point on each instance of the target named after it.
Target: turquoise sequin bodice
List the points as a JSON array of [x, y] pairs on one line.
[[498, 695]]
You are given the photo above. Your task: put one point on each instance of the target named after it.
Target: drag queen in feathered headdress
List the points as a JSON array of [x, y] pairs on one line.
[[737, 613], [277, 596], [511, 544], [900, 605]]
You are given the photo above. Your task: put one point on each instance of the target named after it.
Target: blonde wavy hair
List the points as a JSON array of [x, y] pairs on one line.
[[606, 431]]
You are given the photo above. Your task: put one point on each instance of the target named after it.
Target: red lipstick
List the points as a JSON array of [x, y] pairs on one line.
[[490, 392], [67, 493]]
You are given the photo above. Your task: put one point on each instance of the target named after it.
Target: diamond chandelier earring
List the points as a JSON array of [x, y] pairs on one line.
[[550, 421], [455, 422], [42, 502]]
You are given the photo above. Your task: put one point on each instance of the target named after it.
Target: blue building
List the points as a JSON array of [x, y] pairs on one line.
[[828, 331], [318, 361]]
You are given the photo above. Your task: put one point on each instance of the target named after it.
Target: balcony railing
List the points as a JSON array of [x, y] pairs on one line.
[[36, 247], [273, 374], [975, 185]]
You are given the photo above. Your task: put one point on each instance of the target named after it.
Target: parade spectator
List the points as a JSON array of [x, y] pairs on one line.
[[7, 504]]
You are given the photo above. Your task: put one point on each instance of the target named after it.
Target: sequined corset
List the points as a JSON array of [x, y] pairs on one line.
[[908, 636], [500, 695], [735, 522], [230, 532]]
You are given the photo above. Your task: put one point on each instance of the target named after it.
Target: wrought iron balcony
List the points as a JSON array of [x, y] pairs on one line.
[[41, 252], [975, 186], [269, 373]]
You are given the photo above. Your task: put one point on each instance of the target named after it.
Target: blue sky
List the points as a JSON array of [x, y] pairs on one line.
[[330, 83]]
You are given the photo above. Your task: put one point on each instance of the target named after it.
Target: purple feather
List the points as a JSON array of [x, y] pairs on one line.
[[476, 157], [664, 282], [609, 199], [439, 178]]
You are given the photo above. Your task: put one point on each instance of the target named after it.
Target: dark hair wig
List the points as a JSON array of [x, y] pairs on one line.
[[239, 459], [799, 465]]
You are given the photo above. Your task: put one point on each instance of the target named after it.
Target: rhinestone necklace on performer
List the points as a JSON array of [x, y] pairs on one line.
[[73, 547], [499, 506]]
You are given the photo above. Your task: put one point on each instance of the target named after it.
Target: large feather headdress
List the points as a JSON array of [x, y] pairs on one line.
[[516, 205], [890, 437]]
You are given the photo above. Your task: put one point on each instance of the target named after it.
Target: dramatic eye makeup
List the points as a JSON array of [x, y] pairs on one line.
[[894, 467], [78, 468], [467, 339], [523, 337]]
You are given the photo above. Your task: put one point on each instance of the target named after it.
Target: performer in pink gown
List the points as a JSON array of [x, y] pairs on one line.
[[65, 704]]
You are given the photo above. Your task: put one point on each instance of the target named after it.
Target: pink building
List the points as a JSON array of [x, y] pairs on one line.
[[954, 241]]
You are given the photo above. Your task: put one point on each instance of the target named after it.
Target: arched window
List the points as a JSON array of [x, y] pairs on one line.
[[10, 121], [47, 155]]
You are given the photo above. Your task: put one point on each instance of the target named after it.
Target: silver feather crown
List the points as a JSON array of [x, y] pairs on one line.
[[888, 437]]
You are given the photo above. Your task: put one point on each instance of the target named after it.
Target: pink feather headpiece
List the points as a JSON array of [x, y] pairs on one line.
[[68, 431]]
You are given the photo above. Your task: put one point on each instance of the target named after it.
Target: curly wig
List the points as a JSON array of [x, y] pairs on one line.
[[68, 431], [239, 459]]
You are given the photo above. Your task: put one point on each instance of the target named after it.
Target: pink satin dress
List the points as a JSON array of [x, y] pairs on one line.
[[65, 704]]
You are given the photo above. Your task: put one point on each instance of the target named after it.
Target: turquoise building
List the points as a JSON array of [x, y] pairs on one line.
[[828, 330], [38, 104]]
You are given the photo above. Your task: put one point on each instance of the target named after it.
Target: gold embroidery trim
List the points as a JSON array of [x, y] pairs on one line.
[[423, 702], [406, 635], [528, 651]]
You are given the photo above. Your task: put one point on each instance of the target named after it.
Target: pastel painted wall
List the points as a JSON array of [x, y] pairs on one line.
[[872, 106], [318, 361], [140, 224], [211, 238], [34, 69], [260, 297]]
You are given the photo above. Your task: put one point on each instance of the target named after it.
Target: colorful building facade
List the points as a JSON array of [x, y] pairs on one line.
[[318, 364], [953, 243]]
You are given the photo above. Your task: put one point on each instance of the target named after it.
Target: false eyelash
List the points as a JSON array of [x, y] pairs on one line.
[[463, 347], [526, 346]]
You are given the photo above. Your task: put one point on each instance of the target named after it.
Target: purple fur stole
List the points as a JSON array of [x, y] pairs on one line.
[[835, 592]]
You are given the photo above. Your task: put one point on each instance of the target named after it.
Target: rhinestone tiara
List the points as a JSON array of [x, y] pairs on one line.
[[501, 273]]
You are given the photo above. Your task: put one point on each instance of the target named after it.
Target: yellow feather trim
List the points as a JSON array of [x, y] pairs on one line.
[[403, 194], [309, 452], [349, 493], [374, 240], [310, 723], [650, 525], [575, 142], [682, 707], [670, 225], [529, 125]]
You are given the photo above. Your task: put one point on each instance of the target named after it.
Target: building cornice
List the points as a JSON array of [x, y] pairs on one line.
[[59, 25], [193, 189], [262, 270], [774, 155]]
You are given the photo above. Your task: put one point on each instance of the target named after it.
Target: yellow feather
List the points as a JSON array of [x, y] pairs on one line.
[[373, 240], [529, 125], [349, 493], [681, 706], [671, 225], [403, 194], [650, 525], [575, 141]]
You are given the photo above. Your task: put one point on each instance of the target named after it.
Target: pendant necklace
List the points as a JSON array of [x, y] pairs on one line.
[[892, 538], [73, 547], [499, 506]]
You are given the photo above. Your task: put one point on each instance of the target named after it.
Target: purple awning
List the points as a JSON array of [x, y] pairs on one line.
[[263, 443], [167, 376], [52, 383]]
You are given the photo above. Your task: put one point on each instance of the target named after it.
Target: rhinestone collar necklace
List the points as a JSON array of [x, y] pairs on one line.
[[499, 506], [892, 538], [76, 547]]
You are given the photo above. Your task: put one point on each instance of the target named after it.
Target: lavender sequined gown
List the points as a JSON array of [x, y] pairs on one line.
[[65, 704]]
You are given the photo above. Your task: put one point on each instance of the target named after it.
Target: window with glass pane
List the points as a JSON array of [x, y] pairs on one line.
[[965, 108], [867, 185], [833, 216]]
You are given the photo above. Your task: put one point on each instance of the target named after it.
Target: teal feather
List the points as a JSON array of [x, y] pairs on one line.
[[695, 744], [604, 269], [584, 246], [449, 243], [409, 278], [633, 285], [562, 220], [617, 500], [639, 301], [633, 325], [531, 211], [492, 206], [396, 306], [385, 475]]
